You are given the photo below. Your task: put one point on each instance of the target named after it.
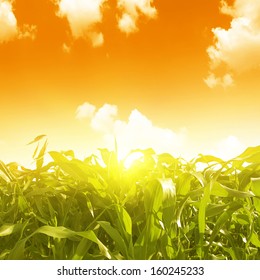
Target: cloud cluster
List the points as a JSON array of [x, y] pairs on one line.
[[212, 80], [237, 48], [131, 11], [27, 31], [9, 29], [83, 16], [138, 132]]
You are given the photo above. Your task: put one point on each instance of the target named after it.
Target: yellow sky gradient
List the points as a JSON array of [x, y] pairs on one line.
[[179, 76]]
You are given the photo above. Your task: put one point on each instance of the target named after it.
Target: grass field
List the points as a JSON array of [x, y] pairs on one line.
[[159, 207]]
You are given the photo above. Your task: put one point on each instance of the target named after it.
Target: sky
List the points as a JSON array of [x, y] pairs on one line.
[[177, 76]]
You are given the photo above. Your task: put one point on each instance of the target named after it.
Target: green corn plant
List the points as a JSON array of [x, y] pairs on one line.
[[158, 208]]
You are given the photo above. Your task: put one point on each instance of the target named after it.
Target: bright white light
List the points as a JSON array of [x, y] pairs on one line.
[[131, 159]]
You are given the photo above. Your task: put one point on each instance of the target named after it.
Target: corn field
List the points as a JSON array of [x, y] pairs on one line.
[[158, 208]]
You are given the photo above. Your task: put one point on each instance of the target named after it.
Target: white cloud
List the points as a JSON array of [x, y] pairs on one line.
[[138, 132], [9, 29], [104, 119], [127, 24], [131, 11], [229, 147], [85, 110], [237, 48], [27, 31], [226, 148], [66, 48], [8, 22], [97, 38], [83, 16], [212, 80]]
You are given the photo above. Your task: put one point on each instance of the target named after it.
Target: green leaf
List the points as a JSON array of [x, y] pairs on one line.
[[169, 190], [90, 235], [56, 232], [82, 249], [40, 157], [223, 218], [125, 220], [168, 159], [236, 193], [6, 172], [17, 253], [208, 158], [199, 176], [221, 190], [255, 240], [202, 218], [202, 209], [184, 183], [74, 168], [8, 229], [218, 190], [35, 151], [255, 187], [37, 139], [215, 209], [251, 154], [153, 197], [116, 237]]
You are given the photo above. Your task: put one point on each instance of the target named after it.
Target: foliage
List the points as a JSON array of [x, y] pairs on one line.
[[160, 207]]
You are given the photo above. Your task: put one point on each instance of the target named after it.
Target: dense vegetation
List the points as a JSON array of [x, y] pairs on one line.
[[160, 207]]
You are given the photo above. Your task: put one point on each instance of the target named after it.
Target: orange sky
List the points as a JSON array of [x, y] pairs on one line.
[[150, 63]]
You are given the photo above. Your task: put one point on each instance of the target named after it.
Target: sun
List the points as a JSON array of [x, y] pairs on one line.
[[131, 158]]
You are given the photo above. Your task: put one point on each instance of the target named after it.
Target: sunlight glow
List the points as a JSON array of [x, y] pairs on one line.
[[131, 159]]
